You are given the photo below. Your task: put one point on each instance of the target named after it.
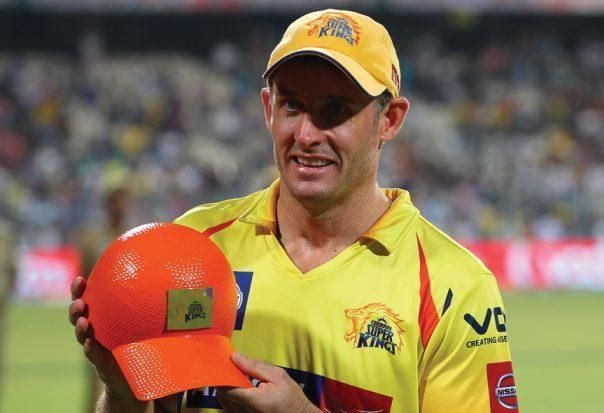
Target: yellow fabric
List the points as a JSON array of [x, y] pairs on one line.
[[300, 321], [356, 43]]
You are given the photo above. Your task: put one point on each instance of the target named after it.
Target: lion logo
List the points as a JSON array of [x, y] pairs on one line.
[[336, 25], [375, 325]]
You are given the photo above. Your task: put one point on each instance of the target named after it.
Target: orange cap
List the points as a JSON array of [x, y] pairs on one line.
[[163, 299]]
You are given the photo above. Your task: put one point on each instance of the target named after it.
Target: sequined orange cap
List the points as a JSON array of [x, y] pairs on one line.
[[163, 299]]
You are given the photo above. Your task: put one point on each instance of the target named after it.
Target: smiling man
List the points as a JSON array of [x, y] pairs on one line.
[[349, 300]]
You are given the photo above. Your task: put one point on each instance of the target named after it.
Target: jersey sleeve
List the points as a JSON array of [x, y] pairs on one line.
[[466, 366]]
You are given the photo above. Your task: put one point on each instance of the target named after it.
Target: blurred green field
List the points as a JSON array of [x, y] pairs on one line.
[[557, 343]]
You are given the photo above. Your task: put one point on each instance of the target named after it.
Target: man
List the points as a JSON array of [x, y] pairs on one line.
[[92, 241], [361, 303]]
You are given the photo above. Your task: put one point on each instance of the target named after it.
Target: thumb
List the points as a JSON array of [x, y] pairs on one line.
[[94, 352], [106, 366], [256, 369], [102, 359]]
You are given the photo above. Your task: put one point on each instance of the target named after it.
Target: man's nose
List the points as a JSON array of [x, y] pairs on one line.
[[307, 133]]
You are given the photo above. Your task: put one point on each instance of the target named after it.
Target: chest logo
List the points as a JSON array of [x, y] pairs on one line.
[[375, 325]]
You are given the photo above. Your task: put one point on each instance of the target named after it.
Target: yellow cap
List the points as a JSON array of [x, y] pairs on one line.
[[355, 43]]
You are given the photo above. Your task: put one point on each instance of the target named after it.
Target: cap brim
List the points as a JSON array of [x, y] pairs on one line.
[[162, 366], [357, 73]]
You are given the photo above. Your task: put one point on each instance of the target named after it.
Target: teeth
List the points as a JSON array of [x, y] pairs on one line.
[[312, 162]]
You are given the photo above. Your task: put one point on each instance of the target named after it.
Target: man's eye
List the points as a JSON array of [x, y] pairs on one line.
[[337, 109], [291, 105]]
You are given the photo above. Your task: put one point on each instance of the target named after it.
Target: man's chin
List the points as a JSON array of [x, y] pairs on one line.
[[308, 192]]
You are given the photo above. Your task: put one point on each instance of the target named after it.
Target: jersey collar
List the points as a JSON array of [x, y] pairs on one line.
[[396, 221], [387, 230], [263, 212]]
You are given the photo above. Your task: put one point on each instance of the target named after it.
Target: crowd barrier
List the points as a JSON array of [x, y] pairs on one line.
[[565, 264], [573, 264]]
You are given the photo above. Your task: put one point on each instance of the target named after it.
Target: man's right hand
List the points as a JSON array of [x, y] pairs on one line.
[[118, 397]]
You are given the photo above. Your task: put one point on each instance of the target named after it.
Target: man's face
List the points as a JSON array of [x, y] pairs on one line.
[[324, 131]]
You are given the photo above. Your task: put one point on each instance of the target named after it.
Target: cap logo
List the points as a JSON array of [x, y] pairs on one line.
[[336, 25], [395, 77], [190, 309]]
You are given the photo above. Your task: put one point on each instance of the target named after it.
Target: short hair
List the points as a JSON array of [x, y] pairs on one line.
[[382, 101]]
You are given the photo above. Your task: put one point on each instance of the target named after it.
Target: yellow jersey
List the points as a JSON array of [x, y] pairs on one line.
[[404, 320]]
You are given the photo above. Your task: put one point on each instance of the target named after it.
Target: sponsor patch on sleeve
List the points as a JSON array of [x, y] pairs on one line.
[[502, 388], [244, 284]]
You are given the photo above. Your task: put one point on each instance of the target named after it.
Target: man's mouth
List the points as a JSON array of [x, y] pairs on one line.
[[312, 162]]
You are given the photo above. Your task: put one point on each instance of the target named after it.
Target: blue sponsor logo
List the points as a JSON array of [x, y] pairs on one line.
[[244, 284], [203, 398]]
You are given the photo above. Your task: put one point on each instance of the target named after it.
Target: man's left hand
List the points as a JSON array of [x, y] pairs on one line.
[[276, 393]]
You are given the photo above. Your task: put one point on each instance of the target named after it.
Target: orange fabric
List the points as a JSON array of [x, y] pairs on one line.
[[428, 317], [212, 230], [168, 365]]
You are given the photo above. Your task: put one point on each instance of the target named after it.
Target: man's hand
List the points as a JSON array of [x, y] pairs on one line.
[[118, 397], [276, 393]]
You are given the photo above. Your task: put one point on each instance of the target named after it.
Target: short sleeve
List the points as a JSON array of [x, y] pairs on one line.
[[466, 366]]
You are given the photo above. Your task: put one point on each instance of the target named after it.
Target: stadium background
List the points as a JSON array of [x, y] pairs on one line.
[[503, 148]]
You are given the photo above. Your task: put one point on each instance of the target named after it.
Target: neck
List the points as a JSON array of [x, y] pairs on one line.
[[336, 224]]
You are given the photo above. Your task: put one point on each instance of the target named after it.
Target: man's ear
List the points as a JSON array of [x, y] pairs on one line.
[[393, 117], [265, 94]]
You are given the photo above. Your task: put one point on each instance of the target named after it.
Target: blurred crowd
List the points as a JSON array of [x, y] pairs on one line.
[[503, 141]]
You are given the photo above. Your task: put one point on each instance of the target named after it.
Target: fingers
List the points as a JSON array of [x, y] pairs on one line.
[[97, 354], [77, 287], [257, 369], [228, 405], [277, 392], [90, 350], [239, 398], [107, 369], [76, 310], [83, 330]]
